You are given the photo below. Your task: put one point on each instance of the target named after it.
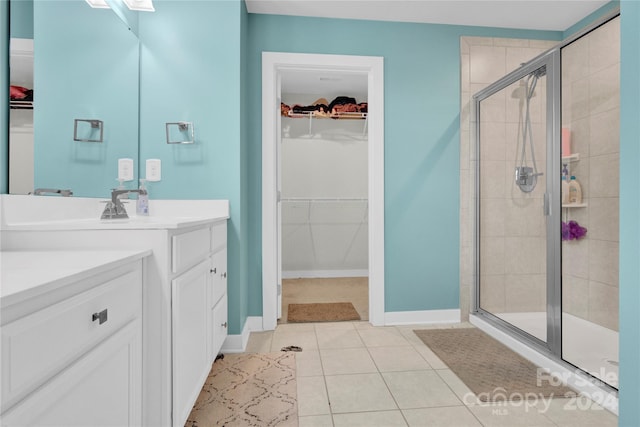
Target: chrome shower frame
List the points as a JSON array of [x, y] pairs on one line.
[[550, 61]]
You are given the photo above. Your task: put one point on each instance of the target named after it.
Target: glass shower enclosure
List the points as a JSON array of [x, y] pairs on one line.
[[546, 257]]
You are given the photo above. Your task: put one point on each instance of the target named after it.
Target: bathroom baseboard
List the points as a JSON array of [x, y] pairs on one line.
[[423, 317], [238, 343], [310, 274]]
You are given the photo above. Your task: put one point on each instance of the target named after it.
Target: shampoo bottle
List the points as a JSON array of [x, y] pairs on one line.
[[575, 191], [142, 205]]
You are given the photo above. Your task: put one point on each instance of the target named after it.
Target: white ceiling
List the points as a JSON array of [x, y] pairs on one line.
[[553, 15]]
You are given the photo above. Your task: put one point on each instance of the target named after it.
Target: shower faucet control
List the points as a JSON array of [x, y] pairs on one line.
[[526, 179]]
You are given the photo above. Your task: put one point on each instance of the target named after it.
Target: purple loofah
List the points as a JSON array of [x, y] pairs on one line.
[[573, 231], [566, 234]]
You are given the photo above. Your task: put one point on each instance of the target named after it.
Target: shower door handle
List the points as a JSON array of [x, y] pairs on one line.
[[547, 204]]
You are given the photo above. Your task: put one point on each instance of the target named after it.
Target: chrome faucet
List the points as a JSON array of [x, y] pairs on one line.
[[115, 209], [63, 193]]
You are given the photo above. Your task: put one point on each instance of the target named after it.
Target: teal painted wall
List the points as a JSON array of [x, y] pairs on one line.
[[21, 19], [629, 214], [422, 107], [4, 94], [85, 67], [589, 19], [191, 71]]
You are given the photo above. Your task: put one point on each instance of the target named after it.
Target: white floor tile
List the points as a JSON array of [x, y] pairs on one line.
[[460, 389], [308, 363], [347, 361], [315, 421], [312, 396], [370, 419], [431, 357], [339, 338], [392, 359], [579, 412], [451, 416], [382, 337], [335, 325], [419, 389], [259, 342], [305, 339], [507, 414], [358, 393]]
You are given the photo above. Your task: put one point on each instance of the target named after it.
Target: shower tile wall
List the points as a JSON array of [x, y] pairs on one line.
[[591, 110], [483, 61]]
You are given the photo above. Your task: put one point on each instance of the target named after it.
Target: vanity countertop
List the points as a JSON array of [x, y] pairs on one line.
[[37, 213], [131, 223], [28, 274]]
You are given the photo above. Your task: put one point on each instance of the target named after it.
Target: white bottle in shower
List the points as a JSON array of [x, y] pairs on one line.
[[575, 191], [565, 190]]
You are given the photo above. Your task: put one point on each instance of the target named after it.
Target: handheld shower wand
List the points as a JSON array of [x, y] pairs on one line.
[[526, 177]]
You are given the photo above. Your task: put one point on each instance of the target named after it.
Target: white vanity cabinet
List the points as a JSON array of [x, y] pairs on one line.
[[198, 311], [72, 355], [184, 296]]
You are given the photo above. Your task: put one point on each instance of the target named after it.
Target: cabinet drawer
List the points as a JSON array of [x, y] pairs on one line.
[[189, 248], [102, 388], [37, 346], [218, 236], [218, 276]]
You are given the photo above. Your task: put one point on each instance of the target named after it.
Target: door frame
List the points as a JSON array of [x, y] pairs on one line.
[[272, 64]]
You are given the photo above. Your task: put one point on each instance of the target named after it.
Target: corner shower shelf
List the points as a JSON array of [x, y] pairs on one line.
[[571, 158], [574, 205]]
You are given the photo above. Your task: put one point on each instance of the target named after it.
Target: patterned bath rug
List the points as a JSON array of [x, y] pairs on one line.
[[248, 389], [490, 369], [322, 312]]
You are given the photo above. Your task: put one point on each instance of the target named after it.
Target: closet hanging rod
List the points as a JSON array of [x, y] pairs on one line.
[[325, 199]]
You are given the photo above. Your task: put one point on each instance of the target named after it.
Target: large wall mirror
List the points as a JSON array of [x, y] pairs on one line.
[[75, 62]]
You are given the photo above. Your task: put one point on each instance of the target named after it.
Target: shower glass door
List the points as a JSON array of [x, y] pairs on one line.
[[590, 238], [513, 203]]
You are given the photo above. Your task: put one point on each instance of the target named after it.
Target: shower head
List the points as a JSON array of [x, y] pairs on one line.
[[520, 92]]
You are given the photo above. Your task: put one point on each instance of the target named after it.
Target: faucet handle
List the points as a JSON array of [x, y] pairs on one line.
[[114, 208]]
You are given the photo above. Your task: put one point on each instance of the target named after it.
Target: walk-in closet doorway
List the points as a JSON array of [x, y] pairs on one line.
[[317, 223], [323, 196]]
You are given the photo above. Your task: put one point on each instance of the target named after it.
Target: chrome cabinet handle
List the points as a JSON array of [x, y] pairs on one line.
[[101, 317], [213, 270], [224, 325], [224, 275]]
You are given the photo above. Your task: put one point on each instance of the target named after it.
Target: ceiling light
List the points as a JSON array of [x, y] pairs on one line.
[[143, 5], [98, 4]]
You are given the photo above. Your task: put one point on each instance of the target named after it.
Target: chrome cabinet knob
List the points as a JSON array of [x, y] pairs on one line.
[[224, 325]]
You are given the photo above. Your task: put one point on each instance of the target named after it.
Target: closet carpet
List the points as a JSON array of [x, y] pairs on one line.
[[318, 290]]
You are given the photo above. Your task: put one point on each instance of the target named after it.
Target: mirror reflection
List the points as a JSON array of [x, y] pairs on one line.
[[68, 62]]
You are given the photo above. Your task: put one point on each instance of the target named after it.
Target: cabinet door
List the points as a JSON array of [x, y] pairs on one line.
[[218, 326], [219, 276], [103, 388], [190, 315]]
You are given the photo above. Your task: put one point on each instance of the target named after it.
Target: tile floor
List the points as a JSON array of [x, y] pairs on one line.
[[354, 374]]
